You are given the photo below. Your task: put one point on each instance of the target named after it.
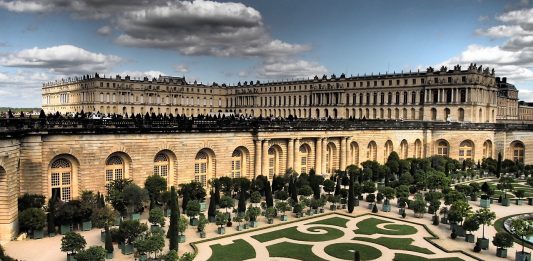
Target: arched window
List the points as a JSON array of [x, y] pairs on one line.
[[461, 114], [487, 149], [114, 169], [237, 163], [201, 167], [466, 150], [331, 157], [404, 150], [388, 149], [161, 165], [61, 179], [304, 158], [518, 151], [273, 162], [354, 153], [442, 148], [433, 114], [372, 151], [418, 149]]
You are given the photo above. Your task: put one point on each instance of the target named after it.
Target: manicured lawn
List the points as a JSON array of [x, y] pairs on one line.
[[238, 250], [369, 227], [396, 243], [293, 233], [294, 251], [346, 251], [406, 257], [334, 221]]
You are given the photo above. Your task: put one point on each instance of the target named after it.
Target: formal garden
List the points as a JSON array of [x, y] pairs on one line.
[[301, 216]]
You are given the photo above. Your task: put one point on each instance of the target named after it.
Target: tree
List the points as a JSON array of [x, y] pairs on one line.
[[50, 217], [522, 228], [329, 186], [226, 202], [93, 253], [131, 229], [108, 241], [242, 201], [484, 217], [505, 183], [174, 214], [72, 243], [182, 225], [351, 196], [458, 211], [499, 165], [193, 209], [102, 217], [211, 211], [32, 219], [155, 184], [156, 216], [268, 194], [151, 244], [419, 205], [115, 194], [503, 240], [357, 256], [221, 219], [282, 206], [471, 224], [520, 193]]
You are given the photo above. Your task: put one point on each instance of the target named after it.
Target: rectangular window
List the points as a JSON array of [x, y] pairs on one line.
[[55, 179]]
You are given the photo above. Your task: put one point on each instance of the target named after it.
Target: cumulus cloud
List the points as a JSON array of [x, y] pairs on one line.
[[21, 88], [67, 59], [182, 68], [288, 68], [104, 30]]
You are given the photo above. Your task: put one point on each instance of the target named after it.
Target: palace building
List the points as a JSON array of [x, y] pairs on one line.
[[463, 114]]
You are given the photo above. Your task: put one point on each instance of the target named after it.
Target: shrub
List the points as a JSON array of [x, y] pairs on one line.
[[32, 219], [131, 229], [93, 253], [370, 198], [102, 217], [156, 216], [72, 242], [30, 201], [503, 240]]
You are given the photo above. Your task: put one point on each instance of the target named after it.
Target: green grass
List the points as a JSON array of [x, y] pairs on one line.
[[406, 257], [293, 233], [238, 250], [369, 227], [346, 251], [334, 221], [294, 251], [396, 243]]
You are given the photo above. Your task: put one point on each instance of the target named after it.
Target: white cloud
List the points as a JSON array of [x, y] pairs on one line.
[[182, 68], [22, 88], [67, 59], [502, 31], [290, 68], [104, 30], [26, 6], [525, 95]]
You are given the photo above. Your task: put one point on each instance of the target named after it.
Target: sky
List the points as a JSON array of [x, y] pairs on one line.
[[228, 42]]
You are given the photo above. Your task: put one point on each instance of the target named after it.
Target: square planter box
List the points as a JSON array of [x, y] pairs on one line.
[[202, 234], [470, 238], [501, 252], [135, 216], [38, 234], [401, 210], [102, 236], [86, 225], [240, 227], [64, 229], [506, 202], [444, 220], [70, 257], [283, 218], [181, 238], [221, 230], [483, 243], [321, 210], [127, 249], [519, 202], [202, 206], [459, 230], [484, 203], [370, 206], [332, 207], [522, 256], [143, 257], [193, 222], [530, 201], [253, 223], [109, 255], [386, 208], [245, 226], [53, 234]]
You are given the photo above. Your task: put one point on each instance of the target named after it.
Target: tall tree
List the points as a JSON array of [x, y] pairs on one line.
[[268, 194], [174, 216], [351, 196], [211, 212], [499, 165], [242, 201]]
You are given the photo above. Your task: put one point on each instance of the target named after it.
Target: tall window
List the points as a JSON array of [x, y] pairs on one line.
[[161, 165], [372, 151], [404, 150], [114, 169], [487, 149], [354, 153], [61, 179], [418, 149], [442, 148], [201, 163], [330, 158], [518, 151], [304, 156], [236, 163], [273, 163], [466, 150], [388, 149]]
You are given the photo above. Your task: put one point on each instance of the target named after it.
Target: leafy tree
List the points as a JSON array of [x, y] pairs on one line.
[[306, 191], [93, 253], [484, 217], [242, 200], [134, 196], [115, 194], [520, 193], [30, 201], [32, 219], [51, 215], [155, 184], [131, 229], [174, 215], [458, 211], [470, 223], [72, 242], [419, 205], [193, 209], [282, 206], [103, 217], [522, 228], [503, 240], [211, 211], [329, 186], [182, 225], [268, 194], [226, 202], [152, 244], [351, 196], [252, 213], [108, 241], [505, 183], [156, 216], [368, 187], [222, 219]]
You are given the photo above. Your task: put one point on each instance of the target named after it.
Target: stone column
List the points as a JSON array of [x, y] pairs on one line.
[[318, 155], [324, 151], [290, 154], [264, 161], [296, 164], [342, 154], [258, 158]]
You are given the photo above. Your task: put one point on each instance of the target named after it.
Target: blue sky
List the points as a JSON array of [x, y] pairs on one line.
[[227, 42]]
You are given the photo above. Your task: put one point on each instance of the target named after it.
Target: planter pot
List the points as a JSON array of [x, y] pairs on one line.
[[193, 222], [506, 202], [283, 218], [86, 225], [38, 234], [459, 230], [370, 206], [127, 249], [70, 257], [299, 215], [109, 255], [343, 206], [167, 212], [181, 238], [386, 208], [143, 257], [240, 228], [53, 234], [530, 201], [332, 207], [202, 206], [470, 238], [202, 234], [522, 256], [64, 229], [501, 252], [154, 228], [473, 198], [321, 210], [270, 221], [253, 223], [135, 216], [444, 220], [356, 203], [315, 211], [102, 236], [245, 226], [118, 220], [221, 230], [484, 203], [401, 211], [483, 243], [519, 202]]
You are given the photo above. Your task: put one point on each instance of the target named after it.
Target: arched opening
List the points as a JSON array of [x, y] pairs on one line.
[[203, 166], [447, 114], [487, 149], [115, 168], [162, 166], [354, 153], [331, 158], [335, 114], [433, 114], [317, 113], [443, 148], [518, 151], [239, 163], [61, 179], [418, 149], [372, 151], [480, 115], [461, 116], [404, 150], [274, 155], [466, 150], [305, 154], [388, 149]]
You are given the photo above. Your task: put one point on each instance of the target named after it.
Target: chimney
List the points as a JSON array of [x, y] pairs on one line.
[[504, 79], [497, 79]]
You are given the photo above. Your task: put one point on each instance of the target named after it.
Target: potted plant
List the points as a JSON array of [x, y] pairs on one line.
[[130, 230], [193, 209], [255, 198], [520, 194], [522, 228], [484, 217], [134, 197], [298, 209], [202, 222], [321, 203], [182, 226], [72, 243], [370, 198], [157, 218], [505, 184], [91, 253], [239, 218], [108, 244], [227, 202], [444, 215], [253, 213], [270, 214], [33, 221], [502, 240], [470, 224], [102, 218], [221, 220], [50, 217], [419, 206], [282, 206], [88, 202], [344, 198]]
